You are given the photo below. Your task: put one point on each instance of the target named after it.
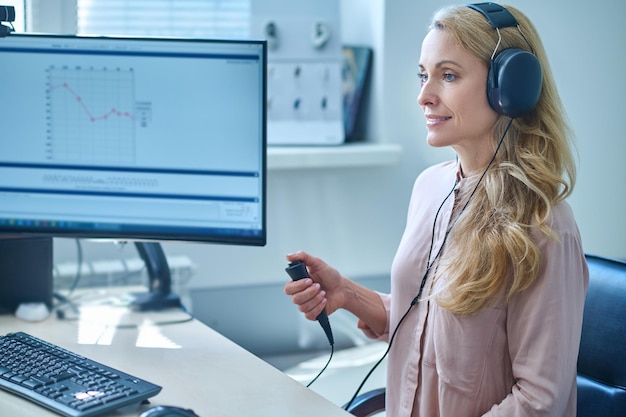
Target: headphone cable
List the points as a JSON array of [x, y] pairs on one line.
[[430, 263]]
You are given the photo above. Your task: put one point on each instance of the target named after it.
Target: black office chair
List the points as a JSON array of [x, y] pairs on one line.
[[601, 375], [601, 361]]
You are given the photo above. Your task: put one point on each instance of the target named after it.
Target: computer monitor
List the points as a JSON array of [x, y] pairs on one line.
[[133, 139]]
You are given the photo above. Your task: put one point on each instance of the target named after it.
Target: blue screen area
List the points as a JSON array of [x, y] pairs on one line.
[[133, 138]]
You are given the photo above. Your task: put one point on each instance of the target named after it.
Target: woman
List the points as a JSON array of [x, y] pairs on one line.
[[489, 279]]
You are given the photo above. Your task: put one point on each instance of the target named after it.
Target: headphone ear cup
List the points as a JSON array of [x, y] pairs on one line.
[[514, 82]]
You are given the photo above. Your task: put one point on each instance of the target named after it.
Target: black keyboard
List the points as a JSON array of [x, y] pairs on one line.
[[65, 382]]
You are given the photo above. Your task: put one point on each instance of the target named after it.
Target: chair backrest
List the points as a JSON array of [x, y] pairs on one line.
[[602, 357]]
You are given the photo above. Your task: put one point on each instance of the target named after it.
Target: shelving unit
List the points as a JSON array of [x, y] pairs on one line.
[[346, 155]]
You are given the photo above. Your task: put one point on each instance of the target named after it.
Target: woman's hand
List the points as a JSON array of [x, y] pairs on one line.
[[323, 290]]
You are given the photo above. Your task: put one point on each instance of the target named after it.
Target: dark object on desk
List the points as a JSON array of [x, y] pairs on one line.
[[167, 411], [160, 295], [25, 272], [601, 378], [65, 382], [355, 74]]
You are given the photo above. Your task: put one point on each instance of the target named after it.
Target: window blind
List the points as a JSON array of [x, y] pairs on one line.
[[183, 18]]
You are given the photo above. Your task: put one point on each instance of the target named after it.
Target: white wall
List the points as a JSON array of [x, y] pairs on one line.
[[588, 54]]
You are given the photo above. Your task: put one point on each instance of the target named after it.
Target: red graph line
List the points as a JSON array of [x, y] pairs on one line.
[[92, 117]]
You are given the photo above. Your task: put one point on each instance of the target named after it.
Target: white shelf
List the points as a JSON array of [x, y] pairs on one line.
[[346, 155]]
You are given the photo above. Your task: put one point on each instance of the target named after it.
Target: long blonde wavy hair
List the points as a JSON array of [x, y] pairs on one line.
[[491, 249]]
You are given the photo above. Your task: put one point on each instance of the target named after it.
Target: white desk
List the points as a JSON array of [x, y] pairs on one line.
[[197, 367]]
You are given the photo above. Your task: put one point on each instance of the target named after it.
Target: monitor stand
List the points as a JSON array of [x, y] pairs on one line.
[[160, 294]]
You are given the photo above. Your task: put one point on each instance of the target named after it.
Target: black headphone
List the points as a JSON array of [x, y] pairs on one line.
[[514, 80]]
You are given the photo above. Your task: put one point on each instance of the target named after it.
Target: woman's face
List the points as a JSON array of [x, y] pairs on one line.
[[454, 98]]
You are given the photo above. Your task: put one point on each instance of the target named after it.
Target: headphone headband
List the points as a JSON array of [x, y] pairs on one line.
[[497, 16]]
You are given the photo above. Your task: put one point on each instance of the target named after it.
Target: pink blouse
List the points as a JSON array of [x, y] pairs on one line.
[[515, 359]]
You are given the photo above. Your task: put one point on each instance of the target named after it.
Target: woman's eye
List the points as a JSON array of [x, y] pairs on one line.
[[422, 77], [449, 77]]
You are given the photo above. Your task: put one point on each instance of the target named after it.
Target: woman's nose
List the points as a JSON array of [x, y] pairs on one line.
[[427, 95]]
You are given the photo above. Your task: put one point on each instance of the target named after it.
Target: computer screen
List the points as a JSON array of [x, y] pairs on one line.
[[133, 138]]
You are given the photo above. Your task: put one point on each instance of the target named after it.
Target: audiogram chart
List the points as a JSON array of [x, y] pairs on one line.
[[91, 115]]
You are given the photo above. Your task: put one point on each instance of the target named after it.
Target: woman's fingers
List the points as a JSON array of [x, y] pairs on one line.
[[308, 296]]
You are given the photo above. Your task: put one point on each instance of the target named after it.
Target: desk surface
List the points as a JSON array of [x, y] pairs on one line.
[[197, 367]]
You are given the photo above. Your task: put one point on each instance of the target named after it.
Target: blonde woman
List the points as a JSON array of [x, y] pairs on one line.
[[489, 279]]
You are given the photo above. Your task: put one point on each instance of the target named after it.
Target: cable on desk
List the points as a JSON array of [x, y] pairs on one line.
[[69, 299], [79, 267], [63, 300], [332, 350]]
